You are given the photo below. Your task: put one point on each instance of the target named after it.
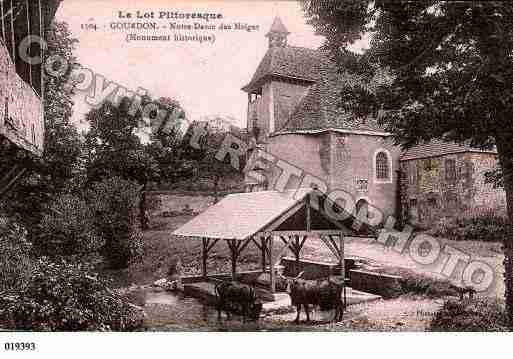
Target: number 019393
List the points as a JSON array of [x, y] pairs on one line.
[[30, 346]]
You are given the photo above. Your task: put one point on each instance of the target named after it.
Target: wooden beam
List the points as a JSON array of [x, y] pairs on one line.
[[214, 241], [332, 232], [308, 215], [243, 245], [276, 223], [288, 243], [328, 244], [204, 255], [271, 265], [263, 250], [256, 243], [233, 251], [334, 244], [297, 249], [302, 243]]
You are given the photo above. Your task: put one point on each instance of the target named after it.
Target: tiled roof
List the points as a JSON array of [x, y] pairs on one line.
[[438, 148], [320, 108], [292, 62]]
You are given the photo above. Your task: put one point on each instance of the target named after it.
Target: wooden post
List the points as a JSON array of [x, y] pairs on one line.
[[204, 254], [233, 250], [263, 249], [341, 258], [271, 265], [342, 267], [297, 249]]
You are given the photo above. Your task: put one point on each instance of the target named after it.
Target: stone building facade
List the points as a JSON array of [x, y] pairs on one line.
[[294, 116], [444, 180]]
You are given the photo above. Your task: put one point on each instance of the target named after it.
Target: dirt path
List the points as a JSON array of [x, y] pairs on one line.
[[389, 261]]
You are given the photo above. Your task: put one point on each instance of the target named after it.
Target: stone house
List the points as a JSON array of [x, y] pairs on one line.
[[294, 116], [446, 180]]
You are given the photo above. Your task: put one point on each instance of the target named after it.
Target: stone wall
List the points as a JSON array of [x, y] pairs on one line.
[[375, 283], [432, 192], [161, 203], [353, 169]]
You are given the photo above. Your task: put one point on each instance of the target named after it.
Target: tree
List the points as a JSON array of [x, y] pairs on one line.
[[114, 147], [448, 74], [202, 143], [166, 140], [114, 201]]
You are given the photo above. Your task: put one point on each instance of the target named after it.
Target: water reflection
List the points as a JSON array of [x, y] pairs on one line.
[[175, 312]]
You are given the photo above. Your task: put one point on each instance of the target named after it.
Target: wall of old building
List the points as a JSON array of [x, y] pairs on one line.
[[432, 192], [353, 158], [486, 196], [342, 161], [309, 153]]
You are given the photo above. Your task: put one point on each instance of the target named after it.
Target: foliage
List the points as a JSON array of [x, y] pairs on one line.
[[488, 227], [113, 148], [202, 144], [60, 163], [115, 204], [474, 315], [66, 297], [68, 229], [427, 286], [15, 261], [435, 69]]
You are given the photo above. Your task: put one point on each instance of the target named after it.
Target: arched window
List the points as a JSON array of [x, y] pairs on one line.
[[382, 166]]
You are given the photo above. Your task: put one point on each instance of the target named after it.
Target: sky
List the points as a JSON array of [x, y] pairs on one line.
[[205, 78]]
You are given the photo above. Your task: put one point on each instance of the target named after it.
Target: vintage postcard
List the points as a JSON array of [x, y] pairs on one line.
[[248, 166]]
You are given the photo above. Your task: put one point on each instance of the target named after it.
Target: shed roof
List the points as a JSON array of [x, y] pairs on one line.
[[243, 215]]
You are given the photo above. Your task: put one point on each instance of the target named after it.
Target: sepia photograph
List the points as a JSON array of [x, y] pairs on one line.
[[242, 166]]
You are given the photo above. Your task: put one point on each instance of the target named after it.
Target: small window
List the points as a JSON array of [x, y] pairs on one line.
[[382, 166], [450, 169], [362, 184], [412, 173]]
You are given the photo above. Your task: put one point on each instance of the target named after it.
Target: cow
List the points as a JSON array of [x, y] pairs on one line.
[[325, 293], [240, 296]]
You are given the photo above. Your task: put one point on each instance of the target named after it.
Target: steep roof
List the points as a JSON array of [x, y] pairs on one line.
[[291, 62], [437, 148], [278, 27], [320, 108]]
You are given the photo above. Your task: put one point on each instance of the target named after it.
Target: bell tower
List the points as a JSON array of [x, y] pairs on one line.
[[278, 33]]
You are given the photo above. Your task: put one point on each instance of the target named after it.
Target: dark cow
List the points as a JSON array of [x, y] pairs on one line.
[[231, 295], [325, 293]]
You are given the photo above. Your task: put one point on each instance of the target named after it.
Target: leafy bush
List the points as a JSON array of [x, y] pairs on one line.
[[486, 227], [115, 204], [68, 228], [62, 296], [423, 285], [480, 314], [15, 261]]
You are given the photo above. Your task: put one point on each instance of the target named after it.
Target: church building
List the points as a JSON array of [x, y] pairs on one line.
[[293, 114]]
